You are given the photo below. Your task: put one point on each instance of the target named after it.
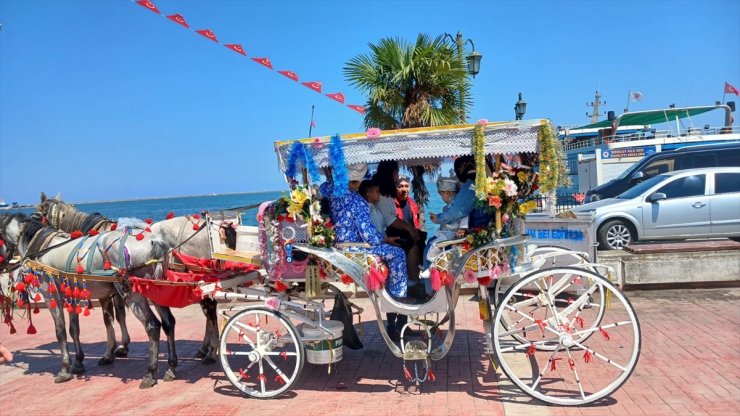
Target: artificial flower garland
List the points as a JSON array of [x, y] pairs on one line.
[[479, 152]]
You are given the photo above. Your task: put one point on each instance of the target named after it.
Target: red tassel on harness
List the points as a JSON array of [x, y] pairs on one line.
[[20, 287], [114, 227], [280, 286], [196, 227], [196, 216], [20, 302], [435, 279], [1, 258], [31, 329], [147, 229], [149, 221], [43, 220], [93, 233], [52, 304], [140, 236], [37, 298], [75, 234], [106, 265], [87, 312], [80, 269], [170, 215], [2, 242], [28, 278], [430, 375], [52, 288], [78, 309], [407, 373]]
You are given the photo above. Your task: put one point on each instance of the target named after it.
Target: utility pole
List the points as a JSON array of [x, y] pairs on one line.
[[595, 104], [460, 54]]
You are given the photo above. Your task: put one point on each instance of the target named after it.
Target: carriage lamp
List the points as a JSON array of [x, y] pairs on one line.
[[520, 107]]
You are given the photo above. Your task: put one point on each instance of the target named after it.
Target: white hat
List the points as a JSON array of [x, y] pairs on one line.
[[445, 183], [357, 171]]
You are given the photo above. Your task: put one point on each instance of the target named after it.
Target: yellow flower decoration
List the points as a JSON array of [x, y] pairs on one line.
[[295, 210], [298, 197], [522, 176]]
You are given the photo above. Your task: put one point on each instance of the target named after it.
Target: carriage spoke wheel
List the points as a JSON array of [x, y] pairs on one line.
[[563, 289], [261, 352], [566, 352]]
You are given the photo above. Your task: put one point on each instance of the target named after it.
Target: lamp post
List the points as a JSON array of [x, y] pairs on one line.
[[520, 107], [473, 62]]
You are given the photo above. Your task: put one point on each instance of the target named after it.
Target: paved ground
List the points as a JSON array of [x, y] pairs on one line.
[[690, 365]]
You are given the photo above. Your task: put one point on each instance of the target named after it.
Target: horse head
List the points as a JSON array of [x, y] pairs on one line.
[[54, 210], [10, 230]]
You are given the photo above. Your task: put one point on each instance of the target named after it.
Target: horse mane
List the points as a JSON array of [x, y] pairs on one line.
[[68, 218], [6, 219]]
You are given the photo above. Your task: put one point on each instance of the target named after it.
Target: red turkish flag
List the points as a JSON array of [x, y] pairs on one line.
[[360, 109], [264, 61], [236, 48], [290, 74], [149, 5], [314, 85], [208, 33], [177, 18], [337, 96], [729, 89]]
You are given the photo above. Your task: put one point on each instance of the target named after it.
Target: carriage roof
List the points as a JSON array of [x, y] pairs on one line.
[[422, 146]]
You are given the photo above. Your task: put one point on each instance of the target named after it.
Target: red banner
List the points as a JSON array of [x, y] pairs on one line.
[[290, 74], [149, 5], [236, 48], [177, 18], [337, 96], [314, 85], [264, 61], [360, 109], [208, 33]]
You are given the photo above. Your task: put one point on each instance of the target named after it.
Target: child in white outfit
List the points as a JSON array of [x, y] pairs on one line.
[[447, 188]]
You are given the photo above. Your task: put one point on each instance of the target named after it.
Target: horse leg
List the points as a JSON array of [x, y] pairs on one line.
[[60, 327], [210, 341], [168, 325], [120, 306], [106, 305], [74, 332], [140, 307]]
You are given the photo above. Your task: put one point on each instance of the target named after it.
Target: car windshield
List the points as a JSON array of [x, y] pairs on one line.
[[641, 187], [629, 171]]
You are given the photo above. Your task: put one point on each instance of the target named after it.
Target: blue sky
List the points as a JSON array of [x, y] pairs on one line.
[[105, 100]]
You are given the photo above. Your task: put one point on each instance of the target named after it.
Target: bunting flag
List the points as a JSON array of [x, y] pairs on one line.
[[337, 96], [238, 48], [290, 74], [264, 61], [208, 33], [149, 5], [729, 89], [314, 85], [177, 18]]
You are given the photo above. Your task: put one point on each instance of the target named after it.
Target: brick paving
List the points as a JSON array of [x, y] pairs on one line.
[[690, 365]]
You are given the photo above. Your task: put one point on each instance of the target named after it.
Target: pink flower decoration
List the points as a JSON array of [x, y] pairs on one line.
[[495, 272], [273, 303], [316, 143], [469, 276], [373, 133], [482, 122], [494, 201]]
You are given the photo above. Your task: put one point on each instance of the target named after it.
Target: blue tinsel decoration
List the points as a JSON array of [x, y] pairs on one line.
[[296, 154], [341, 177], [310, 164]]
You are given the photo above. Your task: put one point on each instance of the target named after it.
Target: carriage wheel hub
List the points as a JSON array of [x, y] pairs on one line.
[[566, 340], [254, 356]]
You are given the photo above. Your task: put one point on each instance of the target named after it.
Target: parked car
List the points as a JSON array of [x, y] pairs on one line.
[[695, 203], [689, 157]]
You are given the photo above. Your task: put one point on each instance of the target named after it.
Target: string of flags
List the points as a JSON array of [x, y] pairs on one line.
[[238, 48]]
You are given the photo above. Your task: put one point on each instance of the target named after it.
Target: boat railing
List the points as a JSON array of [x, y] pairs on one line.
[[647, 134]]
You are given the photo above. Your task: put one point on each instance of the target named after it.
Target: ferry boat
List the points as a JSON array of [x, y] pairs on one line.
[[602, 150]]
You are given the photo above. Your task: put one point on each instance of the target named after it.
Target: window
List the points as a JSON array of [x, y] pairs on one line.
[[686, 186], [729, 157], [725, 183], [703, 160], [657, 167]]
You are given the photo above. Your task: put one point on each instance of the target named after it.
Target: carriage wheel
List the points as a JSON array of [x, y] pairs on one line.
[[567, 359], [261, 352], [563, 289]]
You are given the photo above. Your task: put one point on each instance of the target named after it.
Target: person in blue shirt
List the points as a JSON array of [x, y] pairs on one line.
[[463, 205]]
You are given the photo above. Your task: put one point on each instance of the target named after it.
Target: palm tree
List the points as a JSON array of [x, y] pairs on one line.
[[411, 85]]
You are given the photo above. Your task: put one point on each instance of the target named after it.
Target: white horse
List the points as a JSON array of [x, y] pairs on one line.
[[55, 249], [175, 232]]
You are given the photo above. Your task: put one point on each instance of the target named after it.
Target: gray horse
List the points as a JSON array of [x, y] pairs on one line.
[[176, 232], [53, 248]]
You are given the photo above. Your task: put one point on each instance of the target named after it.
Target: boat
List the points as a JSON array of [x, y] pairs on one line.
[[3, 204], [602, 150]]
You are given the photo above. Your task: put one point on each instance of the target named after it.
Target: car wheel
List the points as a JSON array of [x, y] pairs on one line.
[[615, 235]]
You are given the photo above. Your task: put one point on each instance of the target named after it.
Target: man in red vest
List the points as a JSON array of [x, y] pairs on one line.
[[406, 208]]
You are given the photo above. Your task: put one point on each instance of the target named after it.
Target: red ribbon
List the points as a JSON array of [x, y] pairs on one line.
[[554, 363], [542, 325], [587, 356], [279, 379], [284, 354], [604, 333], [571, 364], [579, 321], [262, 378], [531, 350], [243, 374]]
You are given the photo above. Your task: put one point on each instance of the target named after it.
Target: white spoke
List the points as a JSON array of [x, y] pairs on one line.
[[601, 357]]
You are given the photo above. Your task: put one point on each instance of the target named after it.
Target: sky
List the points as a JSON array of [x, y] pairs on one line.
[[105, 100]]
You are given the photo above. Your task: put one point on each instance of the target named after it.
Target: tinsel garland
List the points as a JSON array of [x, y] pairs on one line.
[[479, 152], [299, 152], [552, 172], [341, 177]]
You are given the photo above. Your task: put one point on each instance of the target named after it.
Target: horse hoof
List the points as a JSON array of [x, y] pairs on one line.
[[121, 351], [147, 383], [106, 361], [200, 355], [208, 360], [62, 378], [78, 369], [169, 375]]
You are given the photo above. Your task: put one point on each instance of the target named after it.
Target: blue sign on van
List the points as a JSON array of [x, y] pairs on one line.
[[627, 152]]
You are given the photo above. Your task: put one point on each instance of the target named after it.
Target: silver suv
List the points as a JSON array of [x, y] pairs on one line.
[[695, 203]]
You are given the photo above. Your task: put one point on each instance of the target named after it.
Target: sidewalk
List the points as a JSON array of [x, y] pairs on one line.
[[690, 365]]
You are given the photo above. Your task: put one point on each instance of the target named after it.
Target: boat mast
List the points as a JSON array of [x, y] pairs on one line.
[[595, 104]]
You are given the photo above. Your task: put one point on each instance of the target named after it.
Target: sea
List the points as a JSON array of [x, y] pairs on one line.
[[158, 208]]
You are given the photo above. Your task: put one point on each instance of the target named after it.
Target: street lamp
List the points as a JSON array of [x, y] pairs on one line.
[[473, 61], [520, 107]]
